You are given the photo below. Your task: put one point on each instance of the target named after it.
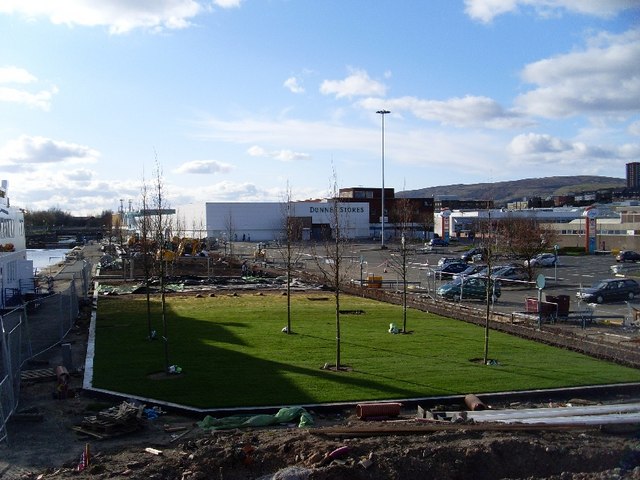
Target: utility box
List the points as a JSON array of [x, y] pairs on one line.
[[563, 302]]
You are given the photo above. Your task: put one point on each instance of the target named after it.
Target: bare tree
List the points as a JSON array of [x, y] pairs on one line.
[[525, 238], [230, 230], [145, 243], [486, 229], [291, 250], [399, 263], [332, 263], [161, 228]]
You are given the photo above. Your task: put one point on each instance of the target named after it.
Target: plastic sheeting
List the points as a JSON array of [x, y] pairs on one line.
[[284, 415]]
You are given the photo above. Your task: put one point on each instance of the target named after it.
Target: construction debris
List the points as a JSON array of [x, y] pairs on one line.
[[122, 419]]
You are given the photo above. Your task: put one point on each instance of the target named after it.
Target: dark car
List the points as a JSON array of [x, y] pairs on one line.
[[510, 272], [471, 255], [628, 256], [450, 268], [469, 288], [610, 290], [470, 270], [438, 242]]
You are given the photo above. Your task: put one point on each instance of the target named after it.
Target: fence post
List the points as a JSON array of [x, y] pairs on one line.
[[61, 315], [73, 302], [7, 381], [28, 332]]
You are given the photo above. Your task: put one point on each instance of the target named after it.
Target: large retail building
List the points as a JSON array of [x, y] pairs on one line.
[[265, 221]]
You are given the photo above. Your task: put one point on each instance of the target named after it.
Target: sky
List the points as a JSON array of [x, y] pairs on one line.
[[264, 100]]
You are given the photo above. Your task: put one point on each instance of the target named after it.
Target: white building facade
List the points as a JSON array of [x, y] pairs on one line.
[[264, 221]]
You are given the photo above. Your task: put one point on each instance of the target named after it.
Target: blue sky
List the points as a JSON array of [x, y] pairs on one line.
[[240, 100]]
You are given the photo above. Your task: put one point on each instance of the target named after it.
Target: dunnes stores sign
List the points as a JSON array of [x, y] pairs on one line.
[[340, 209]]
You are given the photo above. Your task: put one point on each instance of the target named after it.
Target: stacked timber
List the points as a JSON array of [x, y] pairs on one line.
[[114, 421]]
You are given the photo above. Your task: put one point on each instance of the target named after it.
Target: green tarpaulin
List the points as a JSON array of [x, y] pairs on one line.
[[284, 415]]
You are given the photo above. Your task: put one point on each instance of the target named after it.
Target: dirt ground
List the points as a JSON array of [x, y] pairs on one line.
[[43, 443], [49, 448]]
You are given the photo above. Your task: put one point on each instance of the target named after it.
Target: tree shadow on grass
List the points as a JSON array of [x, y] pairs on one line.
[[222, 369]]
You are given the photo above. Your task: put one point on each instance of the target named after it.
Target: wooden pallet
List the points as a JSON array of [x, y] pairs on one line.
[[101, 434], [38, 375], [114, 421]]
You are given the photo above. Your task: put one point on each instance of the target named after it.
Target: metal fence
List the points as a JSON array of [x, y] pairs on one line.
[[32, 329]]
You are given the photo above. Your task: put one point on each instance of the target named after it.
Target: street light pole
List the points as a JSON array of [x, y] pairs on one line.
[[382, 114]]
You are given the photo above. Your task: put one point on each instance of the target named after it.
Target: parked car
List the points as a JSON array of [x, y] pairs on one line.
[[475, 254], [510, 272], [610, 290], [543, 260], [450, 268], [628, 256], [468, 288], [483, 271], [470, 270], [444, 260], [438, 242]]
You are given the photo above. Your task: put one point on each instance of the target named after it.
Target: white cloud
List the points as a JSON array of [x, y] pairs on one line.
[[602, 79], [548, 149], [469, 111], [13, 75], [426, 149], [292, 84], [203, 166], [41, 100], [28, 151], [227, 3], [233, 192], [119, 16], [486, 10], [282, 155], [634, 128], [79, 175], [357, 84], [72, 190]]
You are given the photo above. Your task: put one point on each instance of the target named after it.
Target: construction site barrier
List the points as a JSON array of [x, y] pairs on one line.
[[30, 330]]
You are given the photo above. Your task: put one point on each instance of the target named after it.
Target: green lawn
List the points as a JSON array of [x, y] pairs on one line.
[[233, 353]]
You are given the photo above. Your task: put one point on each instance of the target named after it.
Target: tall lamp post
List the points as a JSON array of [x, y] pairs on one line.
[[382, 114]]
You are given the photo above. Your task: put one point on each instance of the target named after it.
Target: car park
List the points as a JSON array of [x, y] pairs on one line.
[[610, 290], [625, 268], [469, 288], [628, 256], [543, 260]]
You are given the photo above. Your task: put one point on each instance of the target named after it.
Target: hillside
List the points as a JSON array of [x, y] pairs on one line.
[[502, 192]]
